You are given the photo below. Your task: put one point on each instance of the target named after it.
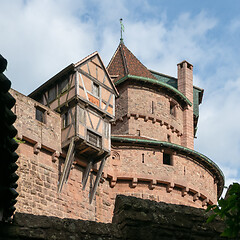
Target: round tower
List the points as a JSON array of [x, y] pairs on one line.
[[153, 136]]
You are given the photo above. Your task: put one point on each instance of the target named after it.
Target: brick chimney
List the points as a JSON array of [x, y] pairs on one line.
[[185, 85]]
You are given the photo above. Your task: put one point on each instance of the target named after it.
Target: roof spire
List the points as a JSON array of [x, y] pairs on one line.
[[122, 30]]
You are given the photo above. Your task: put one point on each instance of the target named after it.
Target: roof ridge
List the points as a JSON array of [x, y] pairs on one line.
[[125, 65]]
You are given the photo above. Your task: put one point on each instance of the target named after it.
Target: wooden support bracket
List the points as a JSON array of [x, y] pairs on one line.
[[67, 165], [99, 173], [86, 174]]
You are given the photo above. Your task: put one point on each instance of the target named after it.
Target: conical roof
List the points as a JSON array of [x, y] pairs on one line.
[[125, 63]]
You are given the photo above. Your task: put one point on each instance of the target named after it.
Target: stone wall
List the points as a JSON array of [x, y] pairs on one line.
[[144, 111], [133, 219]]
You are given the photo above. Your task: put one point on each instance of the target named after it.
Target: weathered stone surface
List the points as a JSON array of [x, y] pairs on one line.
[[145, 219], [134, 218]]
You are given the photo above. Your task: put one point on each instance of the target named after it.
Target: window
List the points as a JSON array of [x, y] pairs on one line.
[[173, 109], [40, 114], [142, 157], [168, 138], [94, 139], [152, 107], [65, 118], [95, 89], [62, 86], [167, 159], [138, 133], [52, 94]]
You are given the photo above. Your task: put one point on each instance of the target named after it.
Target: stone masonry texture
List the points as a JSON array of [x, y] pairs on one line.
[[133, 218]]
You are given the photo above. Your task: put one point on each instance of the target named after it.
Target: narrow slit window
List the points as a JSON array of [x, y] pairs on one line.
[[173, 109], [138, 133], [168, 138], [66, 121], [152, 107], [143, 158]]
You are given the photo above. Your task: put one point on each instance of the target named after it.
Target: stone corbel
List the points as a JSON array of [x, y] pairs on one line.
[[146, 118], [128, 116], [205, 202], [55, 156], [170, 187], [154, 120], [134, 182], [185, 191], [153, 184], [136, 116], [113, 182], [37, 148], [196, 196]]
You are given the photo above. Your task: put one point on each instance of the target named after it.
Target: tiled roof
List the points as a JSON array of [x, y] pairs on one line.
[[125, 63]]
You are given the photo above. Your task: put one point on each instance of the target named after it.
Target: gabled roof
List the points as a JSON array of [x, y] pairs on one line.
[[70, 69], [91, 56], [125, 63]]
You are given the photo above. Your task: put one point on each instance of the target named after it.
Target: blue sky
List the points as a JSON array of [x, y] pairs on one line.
[[40, 37]]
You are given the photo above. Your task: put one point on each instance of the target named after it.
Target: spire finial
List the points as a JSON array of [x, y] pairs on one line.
[[122, 30]]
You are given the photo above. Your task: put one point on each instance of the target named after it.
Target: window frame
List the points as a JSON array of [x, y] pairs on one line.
[[42, 112], [66, 119], [167, 159], [95, 92]]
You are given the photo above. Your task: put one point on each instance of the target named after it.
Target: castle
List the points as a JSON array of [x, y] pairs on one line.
[[91, 133]]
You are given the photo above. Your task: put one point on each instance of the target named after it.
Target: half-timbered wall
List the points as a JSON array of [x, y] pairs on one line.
[[95, 87]]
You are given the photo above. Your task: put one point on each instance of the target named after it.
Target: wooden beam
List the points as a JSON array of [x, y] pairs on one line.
[[99, 173], [86, 173], [67, 165], [84, 150]]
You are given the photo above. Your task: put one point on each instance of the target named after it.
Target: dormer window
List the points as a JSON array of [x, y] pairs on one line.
[[96, 89]]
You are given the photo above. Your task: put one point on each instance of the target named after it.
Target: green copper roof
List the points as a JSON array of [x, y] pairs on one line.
[[166, 79], [156, 82], [187, 151]]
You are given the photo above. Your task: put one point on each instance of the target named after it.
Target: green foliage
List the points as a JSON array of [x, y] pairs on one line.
[[228, 209], [19, 141]]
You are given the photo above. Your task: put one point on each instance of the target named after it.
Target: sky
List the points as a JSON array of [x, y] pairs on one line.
[[41, 37]]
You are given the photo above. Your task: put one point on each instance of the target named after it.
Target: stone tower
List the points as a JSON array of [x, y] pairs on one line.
[[153, 135]]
